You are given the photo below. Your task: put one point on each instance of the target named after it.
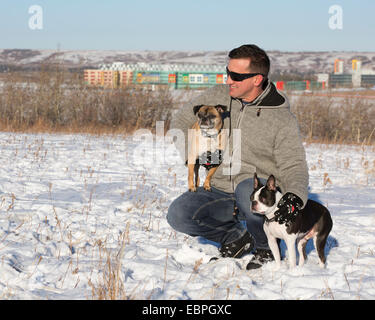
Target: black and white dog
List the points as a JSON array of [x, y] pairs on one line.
[[313, 221]]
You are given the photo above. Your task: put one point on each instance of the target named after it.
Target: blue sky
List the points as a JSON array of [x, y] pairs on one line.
[[294, 25]]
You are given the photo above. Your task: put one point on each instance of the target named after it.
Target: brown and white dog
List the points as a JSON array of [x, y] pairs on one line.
[[313, 221], [206, 144]]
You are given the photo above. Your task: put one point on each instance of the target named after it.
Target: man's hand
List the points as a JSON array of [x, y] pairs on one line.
[[288, 208]]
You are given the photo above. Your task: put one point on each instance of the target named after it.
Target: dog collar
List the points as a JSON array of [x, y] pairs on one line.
[[207, 135], [225, 114], [267, 220], [210, 159]]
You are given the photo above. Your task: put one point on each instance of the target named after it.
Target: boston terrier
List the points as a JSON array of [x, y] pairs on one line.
[[313, 221]]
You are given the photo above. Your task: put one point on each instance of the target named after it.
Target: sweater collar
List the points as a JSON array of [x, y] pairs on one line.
[[259, 98], [269, 98]]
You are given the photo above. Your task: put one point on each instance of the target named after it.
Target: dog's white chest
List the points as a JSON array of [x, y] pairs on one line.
[[278, 230], [275, 229]]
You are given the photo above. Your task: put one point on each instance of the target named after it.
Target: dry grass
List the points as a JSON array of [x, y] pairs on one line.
[[111, 285], [56, 100], [351, 93], [59, 101], [326, 120]]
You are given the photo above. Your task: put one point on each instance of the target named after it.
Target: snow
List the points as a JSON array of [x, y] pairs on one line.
[[70, 204]]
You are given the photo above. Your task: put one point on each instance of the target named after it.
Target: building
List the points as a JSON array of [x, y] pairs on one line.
[[125, 77], [102, 78], [340, 80], [92, 77], [355, 77], [176, 76], [338, 67]]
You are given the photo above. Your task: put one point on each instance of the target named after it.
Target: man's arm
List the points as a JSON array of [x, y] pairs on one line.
[[183, 120], [291, 160]]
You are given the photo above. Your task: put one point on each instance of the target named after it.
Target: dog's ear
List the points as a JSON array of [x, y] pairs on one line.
[[221, 108], [196, 108], [271, 183], [256, 181]]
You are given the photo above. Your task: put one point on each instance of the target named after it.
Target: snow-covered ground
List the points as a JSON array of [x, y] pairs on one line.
[[71, 206]]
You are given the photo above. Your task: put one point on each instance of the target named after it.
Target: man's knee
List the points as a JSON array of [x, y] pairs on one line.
[[245, 187], [242, 194], [173, 214], [179, 213], [243, 191]]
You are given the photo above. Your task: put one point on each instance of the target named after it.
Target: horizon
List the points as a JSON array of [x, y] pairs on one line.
[[148, 50], [292, 26]]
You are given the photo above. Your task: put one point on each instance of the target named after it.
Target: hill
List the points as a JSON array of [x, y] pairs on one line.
[[298, 62]]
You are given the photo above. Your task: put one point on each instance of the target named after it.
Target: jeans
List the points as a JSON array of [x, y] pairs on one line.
[[210, 215]]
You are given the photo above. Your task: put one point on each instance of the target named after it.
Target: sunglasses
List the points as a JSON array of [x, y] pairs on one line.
[[241, 76]]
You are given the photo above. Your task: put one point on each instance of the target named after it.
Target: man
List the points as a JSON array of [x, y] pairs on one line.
[[270, 144]]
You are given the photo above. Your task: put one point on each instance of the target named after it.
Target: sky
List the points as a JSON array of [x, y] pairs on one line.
[[191, 25]]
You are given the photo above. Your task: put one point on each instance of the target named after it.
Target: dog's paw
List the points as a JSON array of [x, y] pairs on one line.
[[276, 266], [191, 186], [322, 265], [207, 186]]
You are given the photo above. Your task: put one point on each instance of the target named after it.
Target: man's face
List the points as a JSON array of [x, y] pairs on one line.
[[241, 89]]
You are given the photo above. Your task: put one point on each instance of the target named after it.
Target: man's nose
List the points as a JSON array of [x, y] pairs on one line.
[[229, 80]]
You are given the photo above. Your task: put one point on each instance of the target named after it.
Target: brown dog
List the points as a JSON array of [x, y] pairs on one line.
[[206, 144]]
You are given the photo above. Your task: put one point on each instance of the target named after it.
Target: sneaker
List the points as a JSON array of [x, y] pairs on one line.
[[261, 257], [238, 248]]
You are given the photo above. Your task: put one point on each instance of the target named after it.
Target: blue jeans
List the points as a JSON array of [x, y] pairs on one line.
[[210, 215]]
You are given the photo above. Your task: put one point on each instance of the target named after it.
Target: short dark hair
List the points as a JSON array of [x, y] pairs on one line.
[[259, 61]]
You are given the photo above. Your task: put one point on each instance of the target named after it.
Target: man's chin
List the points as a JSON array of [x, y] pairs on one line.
[[233, 93]]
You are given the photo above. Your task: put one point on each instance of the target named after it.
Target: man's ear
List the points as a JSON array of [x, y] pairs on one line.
[[196, 108], [259, 81]]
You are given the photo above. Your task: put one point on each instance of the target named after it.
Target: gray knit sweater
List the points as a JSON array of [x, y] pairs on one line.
[[267, 142]]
